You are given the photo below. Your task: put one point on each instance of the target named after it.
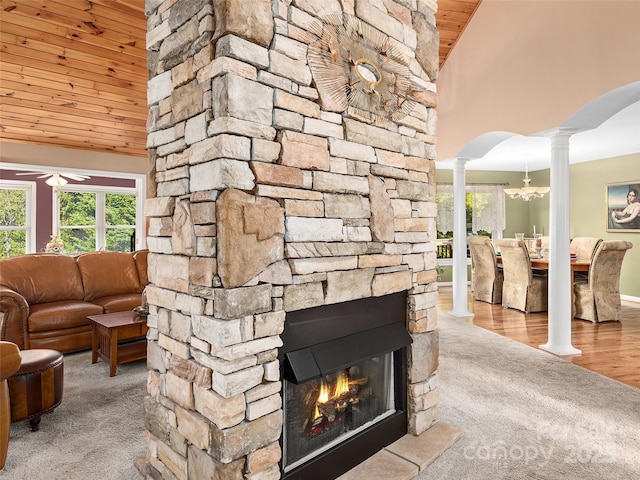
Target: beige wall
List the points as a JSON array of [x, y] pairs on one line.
[[588, 206], [53, 157], [527, 66]]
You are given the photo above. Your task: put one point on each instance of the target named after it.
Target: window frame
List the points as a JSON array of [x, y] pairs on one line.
[[101, 229], [30, 207]]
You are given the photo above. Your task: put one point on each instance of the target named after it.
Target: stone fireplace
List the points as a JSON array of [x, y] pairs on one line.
[[280, 196], [344, 389]]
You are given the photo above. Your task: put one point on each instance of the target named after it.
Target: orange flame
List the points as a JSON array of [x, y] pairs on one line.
[[324, 393], [342, 384]]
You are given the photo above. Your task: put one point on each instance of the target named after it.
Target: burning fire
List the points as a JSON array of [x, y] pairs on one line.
[[324, 393], [342, 384], [334, 401]]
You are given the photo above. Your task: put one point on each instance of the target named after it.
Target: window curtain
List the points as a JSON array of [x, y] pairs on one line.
[[444, 201], [488, 208], [487, 212]]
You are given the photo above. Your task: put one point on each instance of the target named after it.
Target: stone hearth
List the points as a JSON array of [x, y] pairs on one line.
[[270, 193]]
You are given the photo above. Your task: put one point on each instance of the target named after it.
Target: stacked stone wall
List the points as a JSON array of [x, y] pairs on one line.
[[268, 200]]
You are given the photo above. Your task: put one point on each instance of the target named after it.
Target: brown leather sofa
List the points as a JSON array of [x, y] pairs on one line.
[[46, 298]]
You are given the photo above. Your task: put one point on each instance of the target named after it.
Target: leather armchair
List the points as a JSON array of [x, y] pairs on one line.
[[9, 364], [487, 279]]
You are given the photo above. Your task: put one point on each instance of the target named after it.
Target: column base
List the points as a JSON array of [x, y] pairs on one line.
[[560, 349], [460, 313]]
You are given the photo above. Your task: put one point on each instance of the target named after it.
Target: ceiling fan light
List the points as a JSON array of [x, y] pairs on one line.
[[56, 181]]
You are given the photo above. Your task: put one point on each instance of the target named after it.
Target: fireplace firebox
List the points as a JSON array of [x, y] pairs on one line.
[[344, 392]]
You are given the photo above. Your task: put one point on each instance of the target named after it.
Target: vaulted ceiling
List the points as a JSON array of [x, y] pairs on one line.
[[451, 19], [74, 73]]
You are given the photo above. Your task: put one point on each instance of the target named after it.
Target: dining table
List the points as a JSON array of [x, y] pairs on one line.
[[542, 263], [577, 265]]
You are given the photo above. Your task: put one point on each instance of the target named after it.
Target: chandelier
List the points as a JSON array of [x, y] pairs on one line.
[[527, 193]]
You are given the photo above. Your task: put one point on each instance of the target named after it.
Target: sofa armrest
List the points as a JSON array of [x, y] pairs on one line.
[[14, 310], [140, 257]]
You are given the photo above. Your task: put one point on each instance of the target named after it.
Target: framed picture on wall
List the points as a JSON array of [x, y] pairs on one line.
[[623, 207]]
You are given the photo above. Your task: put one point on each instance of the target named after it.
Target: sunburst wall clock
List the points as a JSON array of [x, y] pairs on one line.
[[354, 65]]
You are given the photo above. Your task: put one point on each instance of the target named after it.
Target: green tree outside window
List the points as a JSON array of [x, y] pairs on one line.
[[78, 221], [89, 219], [13, 222], [120, 216]]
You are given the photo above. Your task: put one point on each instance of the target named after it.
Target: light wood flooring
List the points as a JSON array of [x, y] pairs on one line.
[[611, 349]]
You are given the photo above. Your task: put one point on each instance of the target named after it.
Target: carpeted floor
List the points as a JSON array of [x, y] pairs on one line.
[[526, 414], [94, 434]]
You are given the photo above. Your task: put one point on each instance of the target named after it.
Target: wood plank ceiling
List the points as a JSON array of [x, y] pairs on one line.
[[451, 19], [73, 73]]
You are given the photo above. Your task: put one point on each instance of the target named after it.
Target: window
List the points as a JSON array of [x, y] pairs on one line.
[[17, 204], [484, 208], [97, 218]]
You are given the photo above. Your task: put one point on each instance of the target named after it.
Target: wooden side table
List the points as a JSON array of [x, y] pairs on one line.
[[109, 334]]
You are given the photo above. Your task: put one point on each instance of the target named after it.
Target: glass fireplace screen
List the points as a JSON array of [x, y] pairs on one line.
[[324, 412]]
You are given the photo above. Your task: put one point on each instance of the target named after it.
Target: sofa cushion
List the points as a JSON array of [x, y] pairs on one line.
[[60, 315], [119, 303], [42, 277], [108, 273], [64, 340]]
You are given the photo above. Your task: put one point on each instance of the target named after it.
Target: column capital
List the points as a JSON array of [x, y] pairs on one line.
[[460, 160], [561, 132], [459, 164]]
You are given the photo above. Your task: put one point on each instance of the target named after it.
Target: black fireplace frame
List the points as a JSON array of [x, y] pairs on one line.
[[374, 323]]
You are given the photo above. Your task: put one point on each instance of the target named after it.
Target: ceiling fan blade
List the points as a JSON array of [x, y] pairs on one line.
[[42, 174], [75, 176]]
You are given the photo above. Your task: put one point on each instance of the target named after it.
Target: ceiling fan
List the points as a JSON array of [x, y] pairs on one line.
[[56, 179]]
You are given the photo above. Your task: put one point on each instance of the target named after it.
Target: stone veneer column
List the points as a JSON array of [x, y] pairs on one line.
[[267, 202]]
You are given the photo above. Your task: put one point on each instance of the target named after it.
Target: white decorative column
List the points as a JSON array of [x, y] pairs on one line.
[[460, 302], [560, 281]]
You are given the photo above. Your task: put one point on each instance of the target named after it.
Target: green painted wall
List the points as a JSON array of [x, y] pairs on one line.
[[447, 274], [517, 212], [589, 209], [588, 205]]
